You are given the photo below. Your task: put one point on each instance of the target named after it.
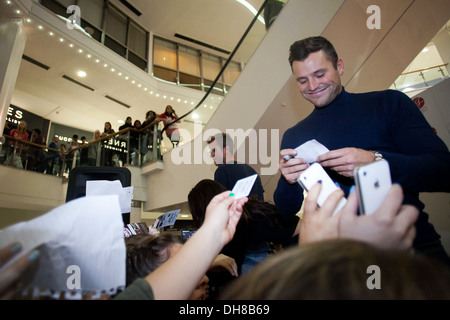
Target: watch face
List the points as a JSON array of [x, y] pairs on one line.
[[378, 156]]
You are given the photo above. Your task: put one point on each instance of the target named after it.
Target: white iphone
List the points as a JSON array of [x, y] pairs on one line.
[[373, 182], [314, 174]]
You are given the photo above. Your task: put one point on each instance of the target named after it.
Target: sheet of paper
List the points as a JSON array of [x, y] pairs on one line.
[[81, 247], [167, 219], [104, 187], [310, 150], [243, 187]]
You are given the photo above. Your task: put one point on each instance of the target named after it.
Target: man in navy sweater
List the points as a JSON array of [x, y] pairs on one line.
[[360, 129]]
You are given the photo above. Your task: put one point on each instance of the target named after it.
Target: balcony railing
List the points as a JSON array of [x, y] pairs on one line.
[[126, 147], [421, 79]]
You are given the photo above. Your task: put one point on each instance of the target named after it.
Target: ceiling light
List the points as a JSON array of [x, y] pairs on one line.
[[71, 45], [425, 49], [97, 60], [252, 9], [194, 116], [89, 56], [81, 74], [61, 40], [40, 27], [51, 33]]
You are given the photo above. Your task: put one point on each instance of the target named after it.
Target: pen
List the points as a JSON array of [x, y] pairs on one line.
[[287, 157]]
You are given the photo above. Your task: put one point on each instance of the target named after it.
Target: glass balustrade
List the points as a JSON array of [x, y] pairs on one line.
[[420, 79]]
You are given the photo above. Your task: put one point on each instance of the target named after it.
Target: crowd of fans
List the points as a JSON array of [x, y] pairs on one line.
[[136, 145]]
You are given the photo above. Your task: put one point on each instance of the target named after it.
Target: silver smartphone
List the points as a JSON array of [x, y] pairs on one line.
[[373, 182]]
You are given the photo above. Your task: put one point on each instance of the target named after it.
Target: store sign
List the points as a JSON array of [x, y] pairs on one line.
[[116, 144], [14, 115]]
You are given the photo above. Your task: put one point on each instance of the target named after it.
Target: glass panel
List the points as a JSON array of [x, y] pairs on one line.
[[66, 3], [165, 54], [232, 72], [190, 81], [137, 40], [55, 7], [115, 46], [165, 74], [218, 88], [116, 25], [92, 11], [141, 63], [189, 61], [96, 34], [211, 66]]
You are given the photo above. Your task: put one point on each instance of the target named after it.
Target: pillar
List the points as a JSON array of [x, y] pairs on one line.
[[12, 39]]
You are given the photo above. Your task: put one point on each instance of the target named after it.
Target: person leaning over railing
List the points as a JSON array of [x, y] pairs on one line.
[[51, 158], [14, 152], [93, 149]]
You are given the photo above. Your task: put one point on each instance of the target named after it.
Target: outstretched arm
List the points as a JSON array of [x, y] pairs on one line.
[[178, 277]]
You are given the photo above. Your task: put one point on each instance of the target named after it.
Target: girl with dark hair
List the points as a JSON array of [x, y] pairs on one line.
[[260, 222]]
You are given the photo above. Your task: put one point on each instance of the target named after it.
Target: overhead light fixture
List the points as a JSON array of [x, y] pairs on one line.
[[252, 10], [81, 74]]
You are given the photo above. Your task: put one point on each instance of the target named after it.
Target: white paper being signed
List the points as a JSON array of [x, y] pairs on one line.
[[310, 150], [87, 233]]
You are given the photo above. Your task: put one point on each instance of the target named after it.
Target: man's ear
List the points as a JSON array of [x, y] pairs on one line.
[[340, 67]]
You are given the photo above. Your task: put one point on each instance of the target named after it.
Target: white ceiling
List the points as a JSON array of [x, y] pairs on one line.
[[220, 23]]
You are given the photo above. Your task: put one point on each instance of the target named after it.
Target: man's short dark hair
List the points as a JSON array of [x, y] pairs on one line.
[[223, 140], [301, 49]]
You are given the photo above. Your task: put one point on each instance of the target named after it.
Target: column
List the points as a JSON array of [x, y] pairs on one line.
[[12, 39]]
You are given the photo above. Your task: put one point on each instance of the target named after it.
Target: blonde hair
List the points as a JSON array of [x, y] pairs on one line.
[[338, 269]]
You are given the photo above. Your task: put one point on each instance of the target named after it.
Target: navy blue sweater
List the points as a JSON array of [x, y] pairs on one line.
[[385, 121]]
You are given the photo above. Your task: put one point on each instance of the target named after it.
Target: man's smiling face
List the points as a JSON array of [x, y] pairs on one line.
[[318, 81]]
